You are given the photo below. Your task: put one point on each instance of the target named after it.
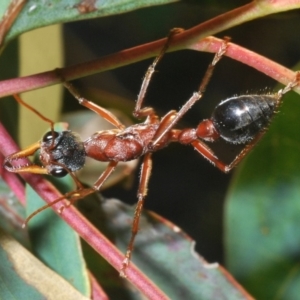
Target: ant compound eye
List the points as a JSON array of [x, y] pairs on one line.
[[59, 172], [49, 136]]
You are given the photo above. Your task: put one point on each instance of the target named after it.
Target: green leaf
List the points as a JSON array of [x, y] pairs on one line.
[[37, 14], [263, 211], [56, 244], [23, 276], [164, 253], [12, 214]]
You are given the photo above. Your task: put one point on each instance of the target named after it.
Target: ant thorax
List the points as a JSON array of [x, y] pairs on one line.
[[122, 145]]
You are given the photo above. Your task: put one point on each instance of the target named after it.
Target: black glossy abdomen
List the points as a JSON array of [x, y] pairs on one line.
[[239, 119]]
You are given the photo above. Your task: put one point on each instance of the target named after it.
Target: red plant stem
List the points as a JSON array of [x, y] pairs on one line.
[[97, 291], [209, 44], [250, 58], [82, 226]]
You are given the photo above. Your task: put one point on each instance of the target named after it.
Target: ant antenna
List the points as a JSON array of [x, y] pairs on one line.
[[51, 123]]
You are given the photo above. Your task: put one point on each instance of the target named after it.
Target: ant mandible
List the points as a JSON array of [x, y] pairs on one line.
[[237, 120]]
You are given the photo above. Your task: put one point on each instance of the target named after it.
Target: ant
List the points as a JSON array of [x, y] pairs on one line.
[[238, 120]]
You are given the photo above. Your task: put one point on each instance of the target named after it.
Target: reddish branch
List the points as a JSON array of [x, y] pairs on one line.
[[209, 44]]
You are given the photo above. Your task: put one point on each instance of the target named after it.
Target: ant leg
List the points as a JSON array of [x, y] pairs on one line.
[[245, 151], [173, 119], [104, 113], [207, 153], [79, 193], [149, 111], [142, 193], [82, 193]]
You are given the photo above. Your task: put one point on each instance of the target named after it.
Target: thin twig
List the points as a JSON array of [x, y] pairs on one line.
[[209, 44]]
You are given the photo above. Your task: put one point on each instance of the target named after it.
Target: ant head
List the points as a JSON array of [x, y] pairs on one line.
[[62, 152]]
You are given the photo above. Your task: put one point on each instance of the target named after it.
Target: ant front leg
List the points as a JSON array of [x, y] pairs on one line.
[[104, 113], [78, 194]]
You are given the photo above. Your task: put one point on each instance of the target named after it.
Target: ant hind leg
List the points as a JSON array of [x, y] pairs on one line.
[[140, 112]]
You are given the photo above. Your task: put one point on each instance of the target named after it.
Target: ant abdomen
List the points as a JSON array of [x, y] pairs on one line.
[[239, 119]]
